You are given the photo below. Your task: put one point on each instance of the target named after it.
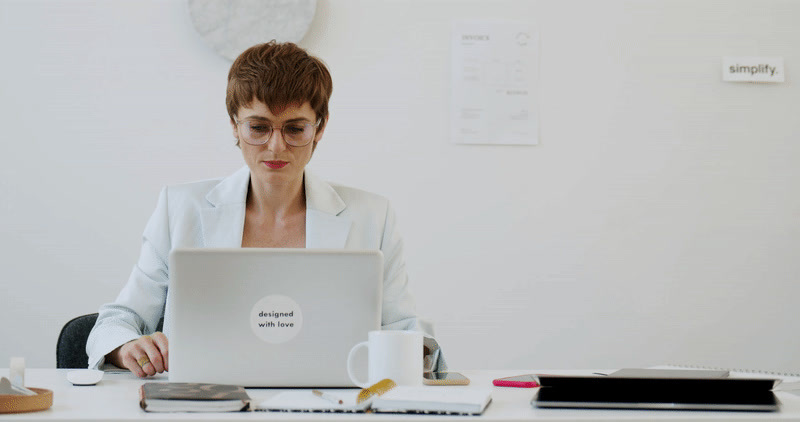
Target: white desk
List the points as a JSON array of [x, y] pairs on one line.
[[116, 399]]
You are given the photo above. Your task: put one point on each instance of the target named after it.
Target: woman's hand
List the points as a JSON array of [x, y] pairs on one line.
[[144, 356]]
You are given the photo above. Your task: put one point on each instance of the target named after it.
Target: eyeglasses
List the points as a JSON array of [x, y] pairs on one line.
[[296, 134]]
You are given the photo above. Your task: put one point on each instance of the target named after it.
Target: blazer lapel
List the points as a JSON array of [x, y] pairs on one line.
[[325, 226], [223, 221]]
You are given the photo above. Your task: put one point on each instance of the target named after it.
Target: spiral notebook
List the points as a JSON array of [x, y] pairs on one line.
[[454, 400]]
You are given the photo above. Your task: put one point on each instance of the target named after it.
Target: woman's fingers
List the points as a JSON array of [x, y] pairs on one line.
[[152, 362], [130, 362], [146, 364], [161, 342], [146, 356]]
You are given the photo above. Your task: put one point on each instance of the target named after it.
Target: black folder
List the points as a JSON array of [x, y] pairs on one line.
[[662, 393]]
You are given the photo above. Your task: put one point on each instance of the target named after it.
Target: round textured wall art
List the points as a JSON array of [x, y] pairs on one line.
[[232, 26]]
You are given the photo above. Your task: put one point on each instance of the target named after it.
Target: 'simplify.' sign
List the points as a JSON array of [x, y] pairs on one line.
[[752, 69]]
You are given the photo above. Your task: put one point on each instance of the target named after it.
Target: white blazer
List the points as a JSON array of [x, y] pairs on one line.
[[210, 214]]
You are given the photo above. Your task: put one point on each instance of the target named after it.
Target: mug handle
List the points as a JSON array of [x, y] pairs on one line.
[[349, 366]]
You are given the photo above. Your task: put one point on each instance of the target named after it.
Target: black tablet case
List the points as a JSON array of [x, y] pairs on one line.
[[731, 394]]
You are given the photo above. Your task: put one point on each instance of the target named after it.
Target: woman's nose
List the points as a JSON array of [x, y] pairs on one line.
[[275, 141]]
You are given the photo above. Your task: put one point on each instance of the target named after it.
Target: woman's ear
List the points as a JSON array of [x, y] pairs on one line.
[[235, 129], [318, 136], [321, 129]]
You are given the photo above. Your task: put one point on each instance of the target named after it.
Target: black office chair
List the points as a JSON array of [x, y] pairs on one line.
[[71, 345]]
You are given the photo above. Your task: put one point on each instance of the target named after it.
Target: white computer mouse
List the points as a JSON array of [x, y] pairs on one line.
[[84, 376]]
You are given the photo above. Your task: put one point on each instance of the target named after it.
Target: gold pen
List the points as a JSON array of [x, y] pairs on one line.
[[329, 397]]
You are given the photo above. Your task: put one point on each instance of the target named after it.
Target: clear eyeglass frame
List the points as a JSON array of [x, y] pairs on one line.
[[289, 140]]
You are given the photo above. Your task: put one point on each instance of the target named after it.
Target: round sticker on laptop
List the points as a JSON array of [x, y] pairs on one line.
[[276, 319]]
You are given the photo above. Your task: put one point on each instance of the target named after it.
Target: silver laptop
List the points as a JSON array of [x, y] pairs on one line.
[[270, 317]]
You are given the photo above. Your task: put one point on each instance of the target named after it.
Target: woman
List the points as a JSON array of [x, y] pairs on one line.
[[277, 101]]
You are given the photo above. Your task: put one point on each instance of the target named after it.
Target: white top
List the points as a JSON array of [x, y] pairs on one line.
[[210, 214]]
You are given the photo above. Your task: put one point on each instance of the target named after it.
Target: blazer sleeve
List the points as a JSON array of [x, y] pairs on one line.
[[398, 310], [140, 305]]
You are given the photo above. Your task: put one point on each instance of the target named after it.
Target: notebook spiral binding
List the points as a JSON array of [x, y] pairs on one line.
[[744, 371]]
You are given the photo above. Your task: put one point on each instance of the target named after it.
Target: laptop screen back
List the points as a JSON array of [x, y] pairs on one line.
[[262, 317]]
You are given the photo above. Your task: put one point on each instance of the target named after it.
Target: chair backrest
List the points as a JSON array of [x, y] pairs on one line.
[[71, 345]]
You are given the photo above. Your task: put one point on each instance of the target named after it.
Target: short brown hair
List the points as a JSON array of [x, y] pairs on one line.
[[278, 75]]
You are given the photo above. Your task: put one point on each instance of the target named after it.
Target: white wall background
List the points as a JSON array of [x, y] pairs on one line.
[[657, 221]]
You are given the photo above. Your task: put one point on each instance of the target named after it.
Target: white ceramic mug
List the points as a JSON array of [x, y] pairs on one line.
[[392, 354]]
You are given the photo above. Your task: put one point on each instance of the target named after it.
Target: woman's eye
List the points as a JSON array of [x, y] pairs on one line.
[[295, 129], [259, 128]]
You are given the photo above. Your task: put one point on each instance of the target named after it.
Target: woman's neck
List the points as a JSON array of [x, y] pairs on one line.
[[276, 201]]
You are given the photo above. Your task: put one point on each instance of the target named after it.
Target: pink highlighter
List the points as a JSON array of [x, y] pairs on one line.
[[521, 381]]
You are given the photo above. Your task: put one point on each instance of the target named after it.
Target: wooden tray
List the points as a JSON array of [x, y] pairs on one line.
[[19, 404]]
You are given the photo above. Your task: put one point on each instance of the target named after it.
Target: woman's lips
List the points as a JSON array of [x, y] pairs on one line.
[[276, 164]]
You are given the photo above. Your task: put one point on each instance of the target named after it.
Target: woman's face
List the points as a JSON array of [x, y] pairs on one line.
[[275, 162]]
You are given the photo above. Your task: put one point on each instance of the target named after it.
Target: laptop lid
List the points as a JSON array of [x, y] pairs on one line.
[[261, 317]]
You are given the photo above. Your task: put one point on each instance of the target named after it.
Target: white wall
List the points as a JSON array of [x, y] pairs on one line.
[[657, 221]]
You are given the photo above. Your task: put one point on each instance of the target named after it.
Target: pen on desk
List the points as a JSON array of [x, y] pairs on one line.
[[331, 398]]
